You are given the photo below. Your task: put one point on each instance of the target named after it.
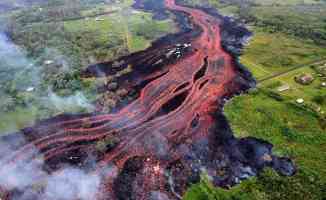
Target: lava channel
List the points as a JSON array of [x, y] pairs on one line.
[[161, 142]]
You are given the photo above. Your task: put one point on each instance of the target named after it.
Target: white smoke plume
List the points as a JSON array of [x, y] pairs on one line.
[[24, 75], [27, 175], [72, 183], [72, 102], [18, 175], [14, 64], [157, 195], [157, 144], [10, 54]]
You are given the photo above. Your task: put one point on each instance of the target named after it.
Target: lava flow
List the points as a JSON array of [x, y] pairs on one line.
[[162, 141]]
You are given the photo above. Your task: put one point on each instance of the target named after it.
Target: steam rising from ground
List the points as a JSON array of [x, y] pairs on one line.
[[28, 176], [71, 183], [72, 102], [23, 76], [31, 181], [157, 144], [10, 54], [15, 64]]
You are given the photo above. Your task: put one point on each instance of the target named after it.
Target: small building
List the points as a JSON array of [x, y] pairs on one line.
[[99, 19], [304, 79], [300, 101], [323, 84], [283, 88], [135, 12], [48, 62], [30, 89]]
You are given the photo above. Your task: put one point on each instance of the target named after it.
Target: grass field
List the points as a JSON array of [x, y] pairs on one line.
[[18, 119], [294, 131], [74, 43], [117, 25], [297, 131], [296, 91], [271, 53]]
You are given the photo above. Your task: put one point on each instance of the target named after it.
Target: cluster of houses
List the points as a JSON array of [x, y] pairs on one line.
[[304, 79]]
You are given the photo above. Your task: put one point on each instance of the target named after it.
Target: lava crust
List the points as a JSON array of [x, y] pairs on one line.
[[174, 131]]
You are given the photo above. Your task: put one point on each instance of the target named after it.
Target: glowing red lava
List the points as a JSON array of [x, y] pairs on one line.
[[165, 138]]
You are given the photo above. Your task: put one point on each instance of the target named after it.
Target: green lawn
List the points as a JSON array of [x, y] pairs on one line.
[[78, 43], [18, 119], [294, 131], [124, 27], [307, 92], [280, 42], [271, 53]]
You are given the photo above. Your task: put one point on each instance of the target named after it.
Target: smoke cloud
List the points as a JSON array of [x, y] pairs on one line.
[[73, 102], [72, 183], [23, 76], [14, 65], [157, 144], [10, 54], [28, 176], [157, 195]]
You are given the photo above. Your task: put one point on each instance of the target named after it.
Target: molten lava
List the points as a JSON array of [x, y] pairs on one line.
[[170, 134]]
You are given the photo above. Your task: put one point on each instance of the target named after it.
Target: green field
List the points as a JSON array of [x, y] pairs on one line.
[[296, 90], [271, 53], [125, 27], [281, 43], [75, 37], [295, 132]]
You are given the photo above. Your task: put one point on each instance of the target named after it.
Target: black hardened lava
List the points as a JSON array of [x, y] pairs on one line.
[[174, 131]]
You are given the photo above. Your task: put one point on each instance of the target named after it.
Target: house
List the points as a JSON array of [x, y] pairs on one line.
[[300, 101], [283, 88], [30, 89], [304, 79], [48, 62], [99, 19]]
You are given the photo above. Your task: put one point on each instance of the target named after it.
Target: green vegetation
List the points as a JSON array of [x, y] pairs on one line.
[[310, 93], [267, 186], [289, 40], [271, 53], [89, 38], [304, 20], [17, 119], [58, 39], [295, 131]]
